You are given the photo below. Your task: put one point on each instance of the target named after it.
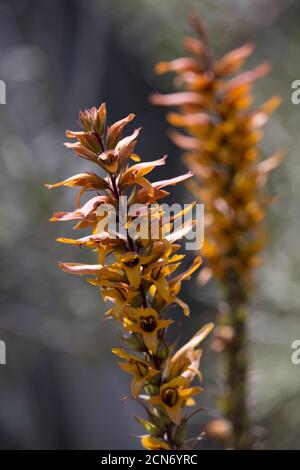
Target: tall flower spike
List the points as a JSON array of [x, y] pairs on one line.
[[134, 270], [221, 138]]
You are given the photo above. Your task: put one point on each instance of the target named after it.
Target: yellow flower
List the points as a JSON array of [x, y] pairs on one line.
[[147, 323], [122, 297], [186, 360], [131, 263], [109, 161], [154, 443], [157, 275], [173, 396], [142, 371]]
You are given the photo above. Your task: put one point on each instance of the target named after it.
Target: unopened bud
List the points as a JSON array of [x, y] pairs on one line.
[[162, 349], [219, 430], [100, 120], [135, 342], [152, 389], [180, 435]]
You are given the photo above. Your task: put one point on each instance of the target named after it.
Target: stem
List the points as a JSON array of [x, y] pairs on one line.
[[115, 187], [169, 436], [157, 362], [236, 365]]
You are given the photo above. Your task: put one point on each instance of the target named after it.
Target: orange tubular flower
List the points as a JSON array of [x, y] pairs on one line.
[[147, 323], [222, 131], [173, 396], [134, 270]]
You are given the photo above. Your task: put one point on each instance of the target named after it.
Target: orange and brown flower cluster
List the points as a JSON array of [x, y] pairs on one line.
[[134, 271], [222, 134], [222, 131]]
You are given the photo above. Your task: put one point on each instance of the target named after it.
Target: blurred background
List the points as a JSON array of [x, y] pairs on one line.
[[61, 388]]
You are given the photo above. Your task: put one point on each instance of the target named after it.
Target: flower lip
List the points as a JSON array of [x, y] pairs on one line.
[[170, 396], [142, 368], [109, 160], [148, 324], [132, 263]]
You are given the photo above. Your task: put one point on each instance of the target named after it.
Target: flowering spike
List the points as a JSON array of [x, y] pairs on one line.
[[222, 131], [134, 271]]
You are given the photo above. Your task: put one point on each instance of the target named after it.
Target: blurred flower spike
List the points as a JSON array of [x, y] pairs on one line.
[[136, 274], [221, 134]]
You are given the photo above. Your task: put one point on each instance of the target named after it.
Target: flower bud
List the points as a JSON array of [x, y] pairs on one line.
[[162, 349], [180, 435], [100, 120], [152, 389], [135, 342]]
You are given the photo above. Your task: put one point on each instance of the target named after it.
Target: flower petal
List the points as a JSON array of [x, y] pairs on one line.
[[154, 443]]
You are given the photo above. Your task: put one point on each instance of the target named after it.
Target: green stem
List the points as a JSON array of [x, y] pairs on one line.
[[236, 366]]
